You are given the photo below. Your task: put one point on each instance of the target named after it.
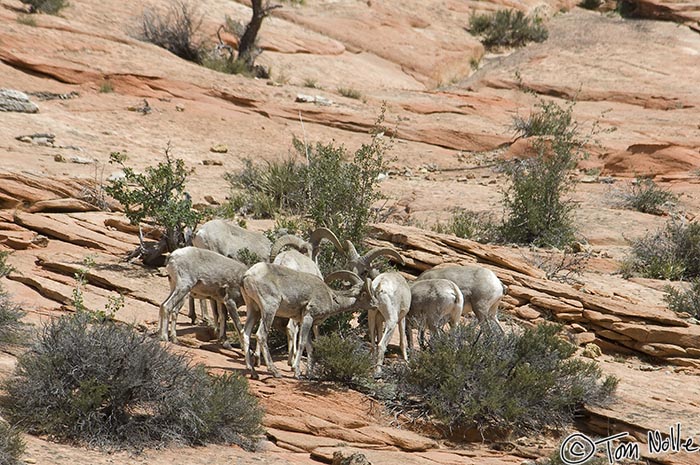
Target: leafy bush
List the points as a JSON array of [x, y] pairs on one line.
[[536, 213], [225, 65], [466, 224], [174, 29], [51, 7], [332, 189], [106, 385], [590, 4], [12, 330], [349, 92], [645, 196], [524, 382], [11, 445], [684, 301], [342, 358], [158, 195], [507, 28], [672, 252]]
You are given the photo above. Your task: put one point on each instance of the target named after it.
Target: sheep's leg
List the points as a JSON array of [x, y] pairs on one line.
[[207, 318], [192, 311], [402, 338], [389, 327], [263, 331], [232, 308], [304, 343], [171, 306], [252, 317], [371, 328], [493, 316], [292, 347]]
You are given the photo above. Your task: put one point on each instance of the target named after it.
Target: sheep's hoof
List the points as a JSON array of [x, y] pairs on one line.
[[254, 375]]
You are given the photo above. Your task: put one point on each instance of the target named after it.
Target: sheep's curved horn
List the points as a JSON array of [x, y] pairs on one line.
[[351, 251], [377, 252], [318, 235], [343, 275], [289, 240], [368, 287]]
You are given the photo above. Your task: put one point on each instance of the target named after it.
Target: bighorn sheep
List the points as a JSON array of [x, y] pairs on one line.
[[301, 257], [432, 302], [481, 289], [271, 290], [204, 274], [391, 300], [227, 239]]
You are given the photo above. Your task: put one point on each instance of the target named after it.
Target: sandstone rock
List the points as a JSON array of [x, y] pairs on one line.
[[219, 148], [62, 227], [582, 339], [61, 206], [526, 312], [403, 439], [13, 100]]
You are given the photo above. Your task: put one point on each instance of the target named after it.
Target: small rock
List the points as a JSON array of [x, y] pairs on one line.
[[179, 108], [527, 313], [44, 139], [209, 199], [81, 160], [40, 240], [317, 99], [585, 338], [59, 158], [212, 162], [14, 100], [649, 368], [591, 351], [30, 461], [588, 179], [219, 148], [607, 180], [382, 176]]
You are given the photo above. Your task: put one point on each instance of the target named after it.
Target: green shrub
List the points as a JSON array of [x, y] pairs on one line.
[[175, 29], [226, 65], [106, 385], [332, 189], [590, 4], [158, 195], [536, 212], [349, 92], [672, 252], [51, 7], [684, 301], [480, 227], [11, 445], [645, 196], [268, 189], [106, 87], [507, 28], [12, 330], [521, 382], [342, 358], [27, 20]]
